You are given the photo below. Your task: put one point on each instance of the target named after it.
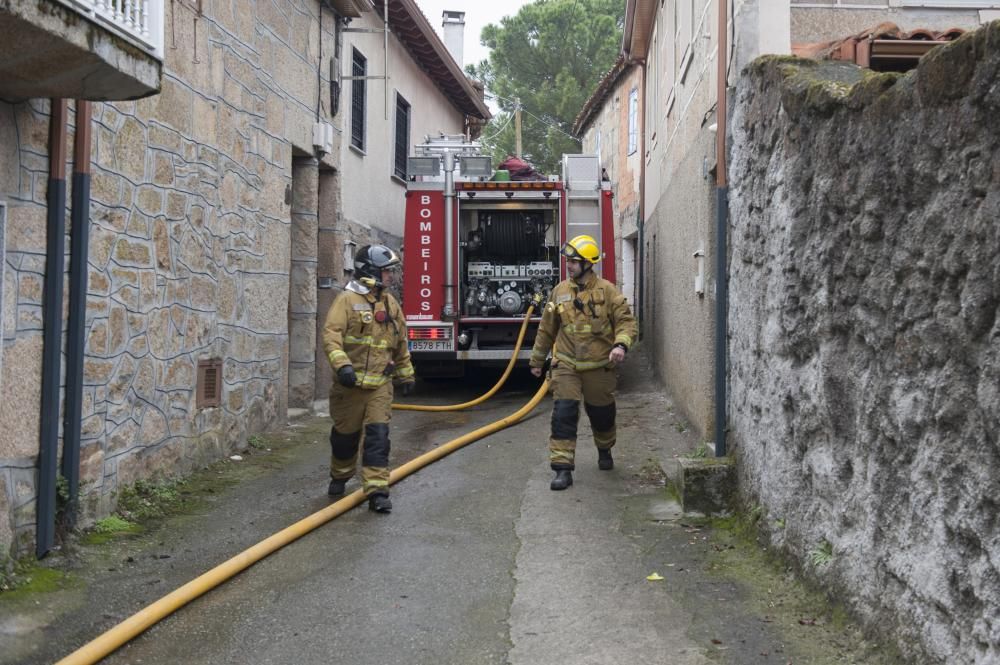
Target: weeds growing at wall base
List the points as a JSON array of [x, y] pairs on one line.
[[148, 500]]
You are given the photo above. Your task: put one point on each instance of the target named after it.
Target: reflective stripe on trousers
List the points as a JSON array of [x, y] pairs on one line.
[[596, 388]]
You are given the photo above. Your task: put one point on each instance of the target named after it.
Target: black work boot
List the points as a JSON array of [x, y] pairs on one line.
[[604, 460], [563, 479], [336, 487], [380, 503]]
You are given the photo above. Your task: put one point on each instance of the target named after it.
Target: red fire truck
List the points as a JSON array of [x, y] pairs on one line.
[[478, 250]]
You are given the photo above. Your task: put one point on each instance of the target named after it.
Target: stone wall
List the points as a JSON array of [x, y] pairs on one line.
[[865, 343], [24, 172], [190, 253]]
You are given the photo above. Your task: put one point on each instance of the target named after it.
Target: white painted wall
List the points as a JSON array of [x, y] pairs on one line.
[[372, 196], [760, 27], [628, 272]]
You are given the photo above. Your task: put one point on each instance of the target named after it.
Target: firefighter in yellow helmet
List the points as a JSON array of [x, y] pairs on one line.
[[592, 327], [365, 339]]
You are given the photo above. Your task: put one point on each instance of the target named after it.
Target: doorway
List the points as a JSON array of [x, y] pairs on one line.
[[629, 280]]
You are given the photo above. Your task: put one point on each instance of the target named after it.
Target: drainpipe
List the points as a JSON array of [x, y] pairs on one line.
[[721, 227], [55, 246], [385, 55], [642, 199], [79, 240]]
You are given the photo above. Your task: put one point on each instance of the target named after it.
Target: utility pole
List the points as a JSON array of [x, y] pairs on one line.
[[517, 129]]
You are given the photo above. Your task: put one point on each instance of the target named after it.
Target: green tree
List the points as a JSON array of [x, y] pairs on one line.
[[549, 56]]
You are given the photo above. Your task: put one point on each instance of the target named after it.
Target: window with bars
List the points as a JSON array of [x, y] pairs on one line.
[[402, 136], [359, 67]]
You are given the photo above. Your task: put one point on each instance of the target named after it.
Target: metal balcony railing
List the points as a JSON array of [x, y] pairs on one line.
[[138, 21]]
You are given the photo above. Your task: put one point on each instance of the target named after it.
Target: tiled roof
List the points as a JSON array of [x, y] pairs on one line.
[[885, 47], [604, 88], [414, 31]]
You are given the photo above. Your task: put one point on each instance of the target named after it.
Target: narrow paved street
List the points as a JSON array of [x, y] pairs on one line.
[[479, 562]]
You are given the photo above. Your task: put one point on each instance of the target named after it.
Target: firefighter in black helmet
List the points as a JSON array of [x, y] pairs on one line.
[[365, 340], [592, 327]]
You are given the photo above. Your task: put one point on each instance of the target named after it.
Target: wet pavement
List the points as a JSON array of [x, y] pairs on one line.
[[479, 562]]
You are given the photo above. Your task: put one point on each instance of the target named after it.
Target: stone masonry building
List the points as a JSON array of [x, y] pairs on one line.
[[208, 205]]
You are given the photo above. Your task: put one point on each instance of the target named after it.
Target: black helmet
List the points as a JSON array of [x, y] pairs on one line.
[[369, 263]]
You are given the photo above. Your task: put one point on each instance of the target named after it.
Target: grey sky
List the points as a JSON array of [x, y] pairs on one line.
[[478, 14]]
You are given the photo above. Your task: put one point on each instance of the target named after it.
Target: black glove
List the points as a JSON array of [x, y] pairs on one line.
[[347, 377], [406, 388]]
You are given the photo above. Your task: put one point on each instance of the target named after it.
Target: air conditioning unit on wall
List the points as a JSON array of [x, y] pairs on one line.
[[322, 138]]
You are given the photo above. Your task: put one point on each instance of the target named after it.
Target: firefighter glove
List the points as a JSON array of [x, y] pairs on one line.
[[346, 376], [406, 388]]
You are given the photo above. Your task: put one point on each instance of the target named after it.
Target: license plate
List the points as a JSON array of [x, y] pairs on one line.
[[430, 345]]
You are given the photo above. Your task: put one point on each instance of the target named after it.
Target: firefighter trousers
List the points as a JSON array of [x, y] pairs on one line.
[[596, 387], [361, 421]]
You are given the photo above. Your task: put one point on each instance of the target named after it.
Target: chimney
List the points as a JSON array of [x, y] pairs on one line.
[[453, 27]]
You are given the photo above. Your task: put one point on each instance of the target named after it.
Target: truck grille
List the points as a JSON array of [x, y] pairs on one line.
[[429, 333]]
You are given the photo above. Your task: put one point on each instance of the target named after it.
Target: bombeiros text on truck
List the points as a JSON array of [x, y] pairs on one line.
[[480, 246]]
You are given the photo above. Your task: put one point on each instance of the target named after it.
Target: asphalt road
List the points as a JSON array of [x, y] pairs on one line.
[[479, 562]]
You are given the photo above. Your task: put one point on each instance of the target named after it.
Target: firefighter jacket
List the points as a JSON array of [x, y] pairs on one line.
[[585, 321], [369, 333]]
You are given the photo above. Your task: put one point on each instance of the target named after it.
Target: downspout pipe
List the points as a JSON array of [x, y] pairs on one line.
[[642, 201], [79, 249], [385, 55], [52, 300], [721, 230]]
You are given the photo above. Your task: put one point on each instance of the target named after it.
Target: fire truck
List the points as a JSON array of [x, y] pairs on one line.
[[479, 249]]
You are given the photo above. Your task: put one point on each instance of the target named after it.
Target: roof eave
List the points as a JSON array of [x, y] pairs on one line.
[[639, 15], [441, 52]]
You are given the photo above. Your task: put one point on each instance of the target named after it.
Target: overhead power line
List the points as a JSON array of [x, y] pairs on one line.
[[549, 123], [499, 131]]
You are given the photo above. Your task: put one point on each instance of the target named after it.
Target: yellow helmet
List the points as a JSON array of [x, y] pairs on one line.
[[582, 248]]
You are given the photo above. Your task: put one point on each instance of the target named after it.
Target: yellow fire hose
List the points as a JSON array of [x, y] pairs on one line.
[[492, 391], [104, 644]]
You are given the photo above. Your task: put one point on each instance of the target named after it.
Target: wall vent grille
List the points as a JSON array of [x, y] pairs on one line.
[[209, 389]]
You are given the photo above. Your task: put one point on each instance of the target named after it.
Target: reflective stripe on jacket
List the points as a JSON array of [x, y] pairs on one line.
[[584, 321], [354, 335]]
